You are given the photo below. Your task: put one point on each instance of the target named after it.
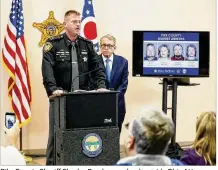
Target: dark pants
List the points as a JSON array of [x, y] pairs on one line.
[[120, 120], [50, 146]]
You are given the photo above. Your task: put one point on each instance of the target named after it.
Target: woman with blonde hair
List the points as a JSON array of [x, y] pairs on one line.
[[203, 150]]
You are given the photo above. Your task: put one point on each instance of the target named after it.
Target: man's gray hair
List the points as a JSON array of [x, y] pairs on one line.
[[152, 130], [110, 37]]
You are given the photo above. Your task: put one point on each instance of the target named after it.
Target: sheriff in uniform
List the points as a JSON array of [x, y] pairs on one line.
[[68, 57], [59, 58]]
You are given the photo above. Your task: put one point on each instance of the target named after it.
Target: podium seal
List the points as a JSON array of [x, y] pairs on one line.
[[92, 145]]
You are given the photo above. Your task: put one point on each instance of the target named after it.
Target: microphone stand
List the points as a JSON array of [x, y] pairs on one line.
[[89, 72]]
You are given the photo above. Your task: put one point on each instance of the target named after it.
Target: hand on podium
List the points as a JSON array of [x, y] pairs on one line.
[[58, 92], [80, 91], [102, 89], [98, 90]]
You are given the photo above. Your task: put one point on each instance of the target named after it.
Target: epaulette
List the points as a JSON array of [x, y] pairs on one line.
[[82, 38], [58, 37]]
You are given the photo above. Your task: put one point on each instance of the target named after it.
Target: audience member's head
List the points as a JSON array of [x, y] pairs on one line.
[[205, 140], [10, 155], [149, 133]]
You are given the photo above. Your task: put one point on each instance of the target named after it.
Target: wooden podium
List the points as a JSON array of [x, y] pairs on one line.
[[86, 128]]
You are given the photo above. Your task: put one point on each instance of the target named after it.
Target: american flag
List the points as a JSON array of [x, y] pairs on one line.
[[15, 60], [88, 24]]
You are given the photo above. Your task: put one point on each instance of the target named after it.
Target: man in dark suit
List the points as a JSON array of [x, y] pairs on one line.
[[116, 69]]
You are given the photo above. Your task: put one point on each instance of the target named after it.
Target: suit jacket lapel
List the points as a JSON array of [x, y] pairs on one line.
[[114, 67]]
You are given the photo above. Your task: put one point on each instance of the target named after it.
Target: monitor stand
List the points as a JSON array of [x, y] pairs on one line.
[[180, 81], [172, 84]]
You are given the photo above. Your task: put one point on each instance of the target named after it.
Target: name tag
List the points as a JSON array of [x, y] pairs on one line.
[[84, 52], [62, 55]]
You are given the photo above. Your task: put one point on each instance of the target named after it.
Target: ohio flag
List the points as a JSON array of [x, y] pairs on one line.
[[88, 24]]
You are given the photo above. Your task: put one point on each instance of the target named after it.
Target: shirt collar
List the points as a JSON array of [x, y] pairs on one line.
[[67, 40], [105, 58]]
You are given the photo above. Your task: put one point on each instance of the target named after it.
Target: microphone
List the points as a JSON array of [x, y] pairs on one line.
[[72, 85]]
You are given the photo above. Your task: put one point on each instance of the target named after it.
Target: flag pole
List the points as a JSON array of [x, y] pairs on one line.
[[28, 159], [21, 142]]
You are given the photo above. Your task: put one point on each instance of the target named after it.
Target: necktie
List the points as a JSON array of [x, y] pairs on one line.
[[108, 70], [75, 71]]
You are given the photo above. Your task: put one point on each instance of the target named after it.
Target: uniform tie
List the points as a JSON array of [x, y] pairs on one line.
[[75, 71]]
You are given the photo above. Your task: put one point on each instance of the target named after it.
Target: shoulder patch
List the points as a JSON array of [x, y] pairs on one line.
[[47, 47]]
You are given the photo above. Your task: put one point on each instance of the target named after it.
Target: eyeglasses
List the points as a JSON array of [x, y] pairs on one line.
[[76, 21], [107, 45]]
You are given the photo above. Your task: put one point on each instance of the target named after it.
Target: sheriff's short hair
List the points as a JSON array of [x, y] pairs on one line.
[[69, 12]]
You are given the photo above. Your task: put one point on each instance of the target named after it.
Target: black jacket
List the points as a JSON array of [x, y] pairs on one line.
[[57, 67]]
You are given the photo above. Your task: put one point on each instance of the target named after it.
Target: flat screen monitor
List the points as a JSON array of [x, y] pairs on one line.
[[171, 53]]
